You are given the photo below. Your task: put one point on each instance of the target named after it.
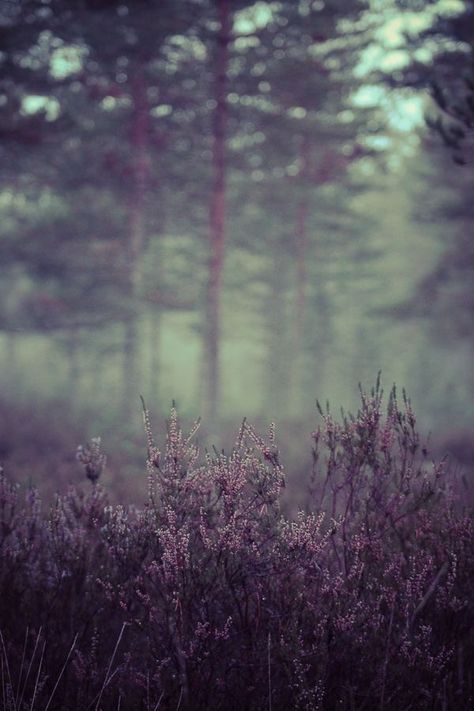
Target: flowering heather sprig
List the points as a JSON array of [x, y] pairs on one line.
[[153, 453], [92, 459]]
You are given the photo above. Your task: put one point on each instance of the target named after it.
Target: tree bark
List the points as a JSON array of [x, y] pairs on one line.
[[217, 215]]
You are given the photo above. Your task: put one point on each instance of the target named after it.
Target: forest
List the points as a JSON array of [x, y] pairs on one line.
[[235, 206], [234, 218]]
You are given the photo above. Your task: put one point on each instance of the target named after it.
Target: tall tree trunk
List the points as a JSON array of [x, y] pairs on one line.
[[278, 360], [301, 244], [136, 245], [73, 374], [155, 322], [10, 370], [300, 298], [301, 253], [315, 174], [217, 217], [154, 345]]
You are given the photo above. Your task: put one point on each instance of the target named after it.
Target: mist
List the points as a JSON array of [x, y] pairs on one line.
[[239, 207]]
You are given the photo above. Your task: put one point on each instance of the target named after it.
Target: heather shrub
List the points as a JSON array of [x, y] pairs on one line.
[[211, 597]]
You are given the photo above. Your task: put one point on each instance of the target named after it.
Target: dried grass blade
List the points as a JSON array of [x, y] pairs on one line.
[[61, 672]]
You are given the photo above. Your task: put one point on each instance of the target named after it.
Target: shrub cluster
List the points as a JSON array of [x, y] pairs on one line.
[[210, 597]]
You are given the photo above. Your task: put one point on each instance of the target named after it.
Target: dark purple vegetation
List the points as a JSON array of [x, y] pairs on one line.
[[210, 598]]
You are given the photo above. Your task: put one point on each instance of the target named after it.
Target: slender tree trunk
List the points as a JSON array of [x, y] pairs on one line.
[[295, 373], [155, 360], [279, 354], [73, 375], [301, 244], [299, 312], [11, 362], [217, 217], [155, 324], [314, 174], [136, 246], [320, 324]]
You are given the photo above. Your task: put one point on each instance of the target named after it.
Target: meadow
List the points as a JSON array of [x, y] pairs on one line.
[[213, 595]]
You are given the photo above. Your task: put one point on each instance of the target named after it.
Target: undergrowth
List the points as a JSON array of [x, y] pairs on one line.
[[209, 597]]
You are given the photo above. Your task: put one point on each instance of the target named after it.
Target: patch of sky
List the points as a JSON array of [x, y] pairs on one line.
[[388, 51], [253, 18], [368, 95], [242, 43], [346, 116], [297, 112], [108, 103], [258, 101], [258, 69], [294, 168], [406, 112], [404, 109], [179, 45], [34, 103], [392, 34], [257, 175], [378, 143], [247, 140], [67, 60]]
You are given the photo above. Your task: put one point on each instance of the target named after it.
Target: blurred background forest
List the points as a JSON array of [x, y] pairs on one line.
[[242, 206]]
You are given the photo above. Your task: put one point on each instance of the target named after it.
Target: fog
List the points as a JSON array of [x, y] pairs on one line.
[[238, 207]]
